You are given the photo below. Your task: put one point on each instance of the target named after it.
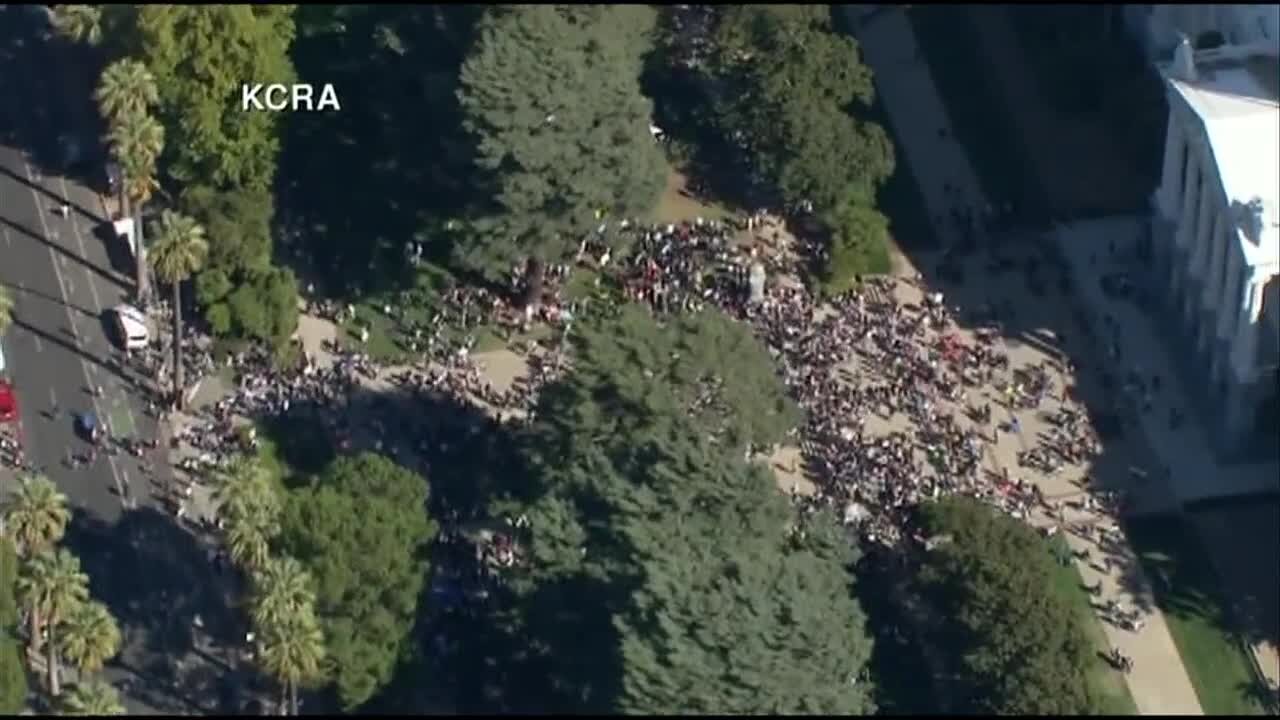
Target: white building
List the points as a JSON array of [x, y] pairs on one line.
[[1216, 213]]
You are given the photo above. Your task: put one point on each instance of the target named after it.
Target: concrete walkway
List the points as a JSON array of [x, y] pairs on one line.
[[1159, 682]]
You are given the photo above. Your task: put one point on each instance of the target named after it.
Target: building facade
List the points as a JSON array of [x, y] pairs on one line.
[[1160, 28], [1216, 223]]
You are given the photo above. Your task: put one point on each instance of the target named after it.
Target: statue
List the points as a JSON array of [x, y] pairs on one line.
[[756, 282]]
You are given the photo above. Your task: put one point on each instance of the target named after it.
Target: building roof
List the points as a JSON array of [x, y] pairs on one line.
[[1238, 101]]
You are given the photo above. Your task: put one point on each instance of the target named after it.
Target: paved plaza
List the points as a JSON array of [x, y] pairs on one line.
[[1158, 682]]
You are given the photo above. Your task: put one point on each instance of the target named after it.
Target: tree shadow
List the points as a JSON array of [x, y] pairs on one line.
[[391, 168], [898, 663], [472, 647], [48, 98], [157, 577]]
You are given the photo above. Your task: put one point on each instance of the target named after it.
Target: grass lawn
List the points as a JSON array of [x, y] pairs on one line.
[[1105, 683], [1187, 591]]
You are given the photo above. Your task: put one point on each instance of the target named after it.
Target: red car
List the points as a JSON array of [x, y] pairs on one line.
[[8, 403]]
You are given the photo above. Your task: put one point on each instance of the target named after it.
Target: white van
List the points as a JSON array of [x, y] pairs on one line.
[[132, 325]]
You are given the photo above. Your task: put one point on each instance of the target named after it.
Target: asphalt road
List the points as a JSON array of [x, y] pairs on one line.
[[58, 348], [153, 574]]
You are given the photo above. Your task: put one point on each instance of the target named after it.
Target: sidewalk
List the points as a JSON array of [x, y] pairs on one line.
[[1159, 682]]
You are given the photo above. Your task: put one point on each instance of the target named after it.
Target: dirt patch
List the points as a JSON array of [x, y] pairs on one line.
[[677, 203], [788, 472]]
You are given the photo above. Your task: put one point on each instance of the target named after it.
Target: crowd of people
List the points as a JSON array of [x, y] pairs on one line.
[[897, 407], [868, 354]]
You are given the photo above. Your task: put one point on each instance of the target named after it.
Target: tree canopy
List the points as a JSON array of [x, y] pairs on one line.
[[632, 373], [663, 573], [360, 530], [1013, 645], [795, 90], [552, 97], [858, 245], [200, 56]]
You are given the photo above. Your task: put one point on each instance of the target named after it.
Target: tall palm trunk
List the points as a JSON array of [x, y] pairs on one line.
[[52, 662], [293, 698], [177, 344], [36, 627], [140, 252]]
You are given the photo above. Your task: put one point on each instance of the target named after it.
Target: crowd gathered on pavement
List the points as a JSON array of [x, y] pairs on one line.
[[900, 403], [866, 355]]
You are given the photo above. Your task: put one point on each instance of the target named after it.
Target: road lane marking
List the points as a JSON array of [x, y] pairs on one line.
[[93, 291], [84, 367], [84, 252]]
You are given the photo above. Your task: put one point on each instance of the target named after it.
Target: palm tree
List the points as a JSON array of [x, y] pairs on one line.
[[136, 143], [6, 309], [90, 637], [125, 89], [36, 515], [281, 588], [52, 586], [92, 697], [292, 651], [248, 545], [79, 23], [247, 501], [180, 251]]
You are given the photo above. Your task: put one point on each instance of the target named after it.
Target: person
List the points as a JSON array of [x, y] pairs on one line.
[[65, 211]]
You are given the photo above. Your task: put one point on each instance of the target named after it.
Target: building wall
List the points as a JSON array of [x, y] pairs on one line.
[[1220, 326], [1159, 27]]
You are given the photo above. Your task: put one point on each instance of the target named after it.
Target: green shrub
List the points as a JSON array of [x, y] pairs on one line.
[[857, 245]]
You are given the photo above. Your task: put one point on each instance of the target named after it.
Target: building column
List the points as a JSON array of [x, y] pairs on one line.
[[1244, 354], [1232, 287], [1186, 226], [1239, 409], [1236, 397], [1199, 255], [1211, 296], [1175, 145]]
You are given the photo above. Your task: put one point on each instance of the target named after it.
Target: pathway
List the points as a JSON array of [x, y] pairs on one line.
[[1158, 682]]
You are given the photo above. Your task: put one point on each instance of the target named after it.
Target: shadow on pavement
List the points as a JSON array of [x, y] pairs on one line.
[[17, 291], [362, 184], [157, 578]]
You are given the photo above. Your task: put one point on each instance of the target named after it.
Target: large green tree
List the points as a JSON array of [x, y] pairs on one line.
[[200, 55], [180, 250], [50, 587], [551, 95], [1011, 643], [661, 569], [795, 90], [361, 531], [36, 515]]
